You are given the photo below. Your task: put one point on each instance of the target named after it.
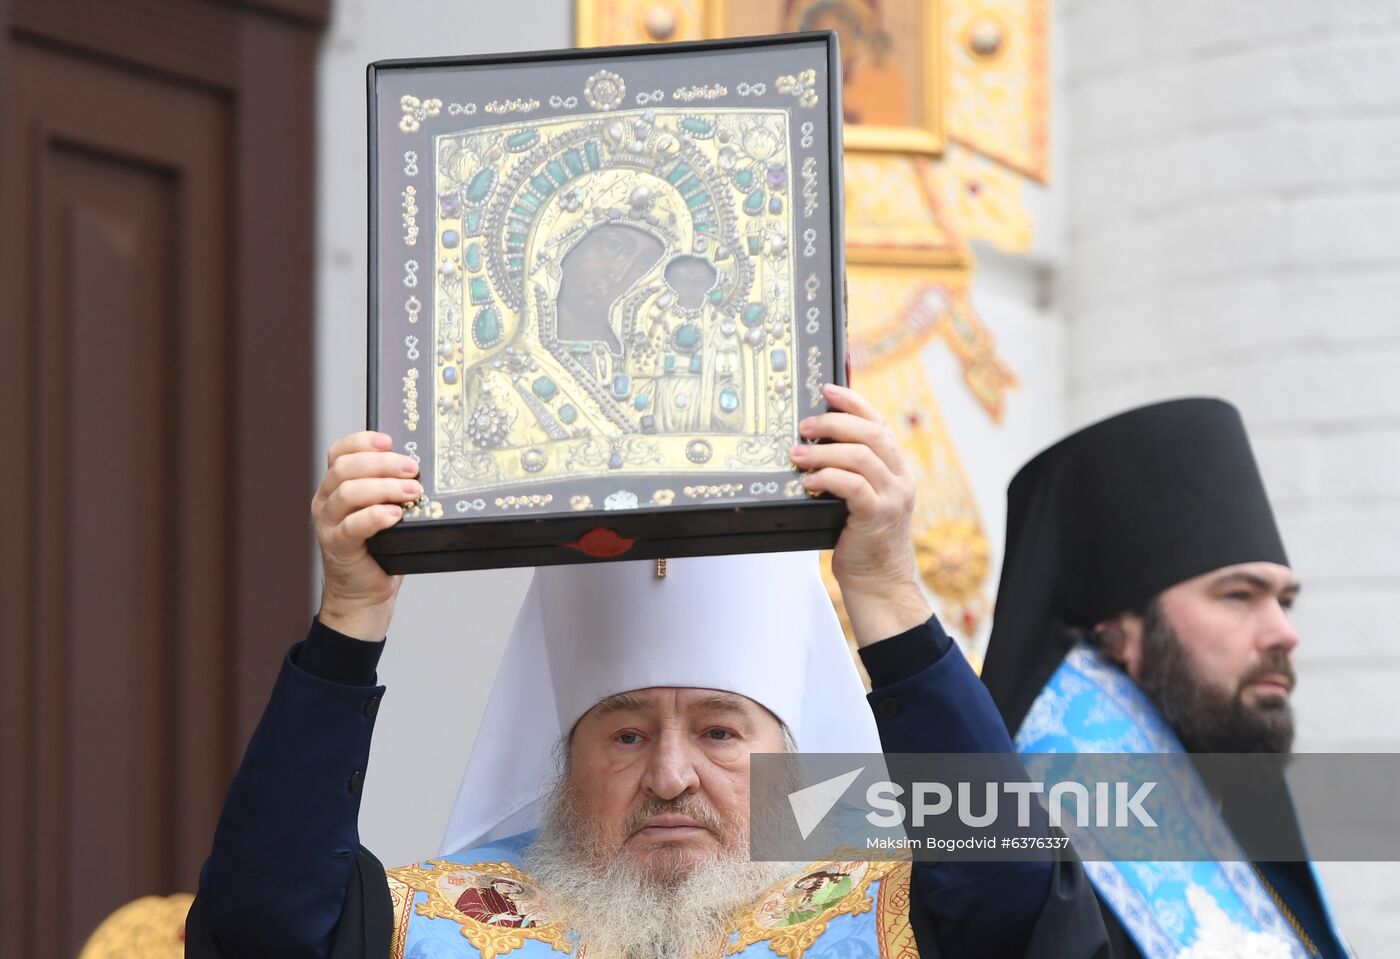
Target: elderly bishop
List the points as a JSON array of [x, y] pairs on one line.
[[604, 811]]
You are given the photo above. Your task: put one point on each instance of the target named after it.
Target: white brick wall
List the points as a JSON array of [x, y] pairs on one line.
[[1234, 229]]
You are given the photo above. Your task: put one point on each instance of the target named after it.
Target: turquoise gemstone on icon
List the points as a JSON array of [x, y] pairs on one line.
[[522, 140], [695, 363], [668, 362], [716, 295], [729, 399], [621, 385], [755, 244], [687, 336], [753, 204], [486, 328], [472, 222], [480, 186], [479, 291], [450, 238], [567, 413], [753, 314], [744, 178], [473, 257], [544, 388], [640, 402], [696, 126]]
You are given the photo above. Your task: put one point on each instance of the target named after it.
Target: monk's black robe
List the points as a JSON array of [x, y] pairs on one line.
[[288, 877]]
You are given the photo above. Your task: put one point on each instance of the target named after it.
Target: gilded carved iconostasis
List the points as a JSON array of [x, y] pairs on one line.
[[947, 122]]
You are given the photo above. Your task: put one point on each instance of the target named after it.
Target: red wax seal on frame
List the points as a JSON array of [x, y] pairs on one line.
[[602, 543]]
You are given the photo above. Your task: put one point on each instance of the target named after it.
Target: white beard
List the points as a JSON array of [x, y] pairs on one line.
[[622, 912]]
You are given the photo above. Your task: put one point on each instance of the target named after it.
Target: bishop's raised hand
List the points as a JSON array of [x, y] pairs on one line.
[[360, 494]]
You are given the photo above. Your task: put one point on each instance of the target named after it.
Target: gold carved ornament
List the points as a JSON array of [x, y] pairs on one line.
[[887, 364], [401, 896], [152, 927], [915, 200], [892, 914]]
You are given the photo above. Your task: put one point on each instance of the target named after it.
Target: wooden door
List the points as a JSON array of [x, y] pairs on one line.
[[155, 389]]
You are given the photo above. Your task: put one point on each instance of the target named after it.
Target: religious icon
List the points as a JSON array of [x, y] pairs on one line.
[[810, 895], [877, 85], [891, 62], [620, 292], [493, 905], [817, 892], [498, 901]]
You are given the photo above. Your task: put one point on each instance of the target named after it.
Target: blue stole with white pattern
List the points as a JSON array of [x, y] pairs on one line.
[[1171, 909]]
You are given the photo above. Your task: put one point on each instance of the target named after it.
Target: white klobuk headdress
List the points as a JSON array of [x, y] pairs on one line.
[[758, 625]]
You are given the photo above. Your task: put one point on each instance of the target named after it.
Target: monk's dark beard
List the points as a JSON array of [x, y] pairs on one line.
[[1205, 718], [675, 908]]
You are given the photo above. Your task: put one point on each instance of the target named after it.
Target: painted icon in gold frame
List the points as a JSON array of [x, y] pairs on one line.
[[892, 56], [891, 52]]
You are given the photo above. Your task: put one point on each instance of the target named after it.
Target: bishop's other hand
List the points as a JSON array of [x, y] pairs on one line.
[[861, 462]]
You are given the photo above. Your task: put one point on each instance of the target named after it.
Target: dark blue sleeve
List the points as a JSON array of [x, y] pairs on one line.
[[275, 882], [928, 700]]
